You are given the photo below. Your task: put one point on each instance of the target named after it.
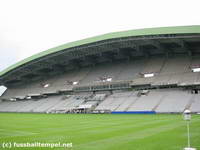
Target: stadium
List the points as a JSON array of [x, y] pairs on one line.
[[88, 89]]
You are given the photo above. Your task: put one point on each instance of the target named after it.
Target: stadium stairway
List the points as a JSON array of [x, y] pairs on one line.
[[160, 101], [192, 100], [195, 106], [131, 105], [174, 101], [146, 102]]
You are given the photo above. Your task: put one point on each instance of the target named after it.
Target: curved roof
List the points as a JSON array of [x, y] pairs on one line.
[[138, 32]]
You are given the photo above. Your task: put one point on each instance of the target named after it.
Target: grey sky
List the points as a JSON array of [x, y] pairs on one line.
[[30, 26]]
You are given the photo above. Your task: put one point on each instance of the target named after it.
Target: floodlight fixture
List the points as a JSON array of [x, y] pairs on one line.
[[148, 75], [46, 85], [195, 69], [75, 83], [109, 79]]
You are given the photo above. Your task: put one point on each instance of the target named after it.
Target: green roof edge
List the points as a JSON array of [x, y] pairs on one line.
[[137, 32]]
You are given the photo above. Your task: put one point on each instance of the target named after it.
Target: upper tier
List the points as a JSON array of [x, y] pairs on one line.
[[108, 47]]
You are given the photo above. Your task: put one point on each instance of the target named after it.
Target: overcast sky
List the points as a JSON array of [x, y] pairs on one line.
[[30, 26]]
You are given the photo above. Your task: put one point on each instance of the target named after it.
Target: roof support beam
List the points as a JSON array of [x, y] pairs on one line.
[[183, 46]]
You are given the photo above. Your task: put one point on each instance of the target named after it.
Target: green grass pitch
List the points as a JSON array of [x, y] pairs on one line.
[[100, 132]]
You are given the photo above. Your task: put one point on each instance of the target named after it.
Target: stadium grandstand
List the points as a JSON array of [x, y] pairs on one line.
[[154, 70]]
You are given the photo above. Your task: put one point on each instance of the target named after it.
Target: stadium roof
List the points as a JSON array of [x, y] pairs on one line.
[[131, 33]]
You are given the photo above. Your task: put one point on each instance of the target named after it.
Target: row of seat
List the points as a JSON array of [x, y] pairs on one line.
[[167, 71], [160, 100]]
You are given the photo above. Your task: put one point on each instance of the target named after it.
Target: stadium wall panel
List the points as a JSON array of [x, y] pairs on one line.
[[133, 112]]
